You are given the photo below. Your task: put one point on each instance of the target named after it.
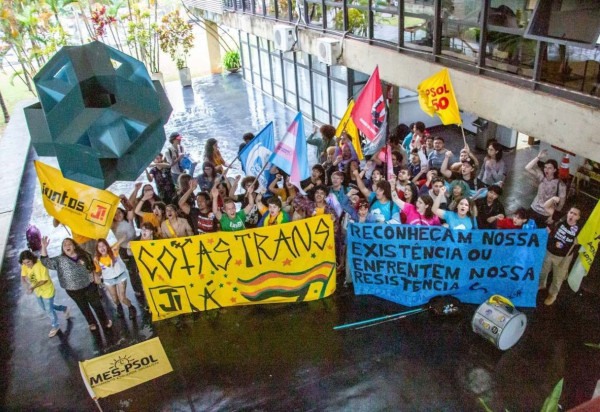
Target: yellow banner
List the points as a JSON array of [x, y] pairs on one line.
[[87, 210], [588, 239], [436, 95], [292, 262], [125, 368], [348, 125]]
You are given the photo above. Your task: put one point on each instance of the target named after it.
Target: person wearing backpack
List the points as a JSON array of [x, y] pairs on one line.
[[177, 159], [36, 279]]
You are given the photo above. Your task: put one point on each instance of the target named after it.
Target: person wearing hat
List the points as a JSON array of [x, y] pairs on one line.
[[175, 153], [489, 208], [468, 172]]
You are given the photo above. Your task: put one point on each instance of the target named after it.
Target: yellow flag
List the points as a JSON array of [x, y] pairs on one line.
[[88, 210], [436, 95], [589, 237], [291, 262], [125, 368], [348, 125]]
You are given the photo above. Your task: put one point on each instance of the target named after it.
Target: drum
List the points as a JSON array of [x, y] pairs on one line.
[[498, 321]]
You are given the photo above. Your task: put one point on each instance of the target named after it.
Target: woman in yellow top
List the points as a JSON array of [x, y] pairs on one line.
[[36, 279], [112, 269], [156, 217], [175, 226]]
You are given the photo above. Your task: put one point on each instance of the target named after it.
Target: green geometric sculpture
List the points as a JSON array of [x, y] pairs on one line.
[[99, 113]]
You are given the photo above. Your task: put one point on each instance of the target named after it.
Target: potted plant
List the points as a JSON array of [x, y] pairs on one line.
[[176, 38], [231, 61]]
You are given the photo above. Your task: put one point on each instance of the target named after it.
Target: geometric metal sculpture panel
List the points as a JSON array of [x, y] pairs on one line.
[[99, 113]]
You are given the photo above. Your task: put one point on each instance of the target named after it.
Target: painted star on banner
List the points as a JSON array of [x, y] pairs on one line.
[[238, 262], [233, 300], [314, 255], [287, 262], [211, 241]]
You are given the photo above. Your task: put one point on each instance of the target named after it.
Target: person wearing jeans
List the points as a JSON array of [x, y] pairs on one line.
[[36, 279]]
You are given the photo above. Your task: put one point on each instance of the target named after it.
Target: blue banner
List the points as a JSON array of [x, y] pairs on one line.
[[411, 264]]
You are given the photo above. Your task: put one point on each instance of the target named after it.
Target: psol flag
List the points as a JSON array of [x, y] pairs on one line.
[[76, 205], [125, 368], [436, 96], [369, 112], [588, 238]]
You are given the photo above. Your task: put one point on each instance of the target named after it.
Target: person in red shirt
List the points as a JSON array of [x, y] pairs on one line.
[[516, 221]]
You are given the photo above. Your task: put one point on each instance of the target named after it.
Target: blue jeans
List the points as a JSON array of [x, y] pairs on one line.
[[48, 306]]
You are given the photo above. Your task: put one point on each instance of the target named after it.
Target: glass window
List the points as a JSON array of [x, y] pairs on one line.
[[460, 29], [418, 24], [572, 67], [290, 76], [304, 83], [385, 26], [276, 64], [506, 48], [339, 99]]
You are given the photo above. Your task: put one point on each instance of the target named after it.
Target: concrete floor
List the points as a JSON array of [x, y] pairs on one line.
[[287, 357]]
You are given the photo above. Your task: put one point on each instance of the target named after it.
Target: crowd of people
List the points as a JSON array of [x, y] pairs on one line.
[[422, 185]]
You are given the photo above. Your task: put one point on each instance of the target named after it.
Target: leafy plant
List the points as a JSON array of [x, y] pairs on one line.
[[176, 38], [142, 37], [231, 60], [357, 21]]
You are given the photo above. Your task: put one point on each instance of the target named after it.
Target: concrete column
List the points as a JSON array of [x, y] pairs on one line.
[[212, 45], [393, 113]]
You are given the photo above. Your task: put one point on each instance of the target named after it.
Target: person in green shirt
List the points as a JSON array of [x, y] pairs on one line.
[[36, 279], [232, 220]]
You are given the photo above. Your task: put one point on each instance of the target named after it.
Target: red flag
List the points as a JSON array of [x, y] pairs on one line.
[[369, 112]]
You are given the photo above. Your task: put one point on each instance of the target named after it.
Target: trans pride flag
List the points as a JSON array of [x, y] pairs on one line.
[[290, 154]]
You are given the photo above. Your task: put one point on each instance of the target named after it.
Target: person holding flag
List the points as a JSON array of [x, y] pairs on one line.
[[326, 140]]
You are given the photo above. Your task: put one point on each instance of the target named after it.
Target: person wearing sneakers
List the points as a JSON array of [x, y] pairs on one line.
[[36, 279], [75, 271], [111, 268], [562, 242]]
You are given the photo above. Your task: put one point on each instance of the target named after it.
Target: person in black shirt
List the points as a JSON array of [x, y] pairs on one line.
[[562, 241], [489, 208]]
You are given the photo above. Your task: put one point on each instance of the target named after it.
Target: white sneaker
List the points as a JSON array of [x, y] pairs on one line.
[[67, 313], [53, 332]]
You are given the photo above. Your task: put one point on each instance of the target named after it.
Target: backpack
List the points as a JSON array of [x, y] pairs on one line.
[[34, 238]]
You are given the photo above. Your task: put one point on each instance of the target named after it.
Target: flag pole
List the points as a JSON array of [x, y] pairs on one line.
[[362, 323], [463, 134], [97, 404]]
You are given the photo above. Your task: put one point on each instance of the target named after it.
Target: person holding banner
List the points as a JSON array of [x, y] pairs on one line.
[[462, 219], [420, 213], [124, 230], [75, 270], [111, 268], [380, 201], [273, 215], [174, 226]]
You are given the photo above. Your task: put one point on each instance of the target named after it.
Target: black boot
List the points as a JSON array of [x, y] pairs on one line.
[[120, 312], [132, 312]]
